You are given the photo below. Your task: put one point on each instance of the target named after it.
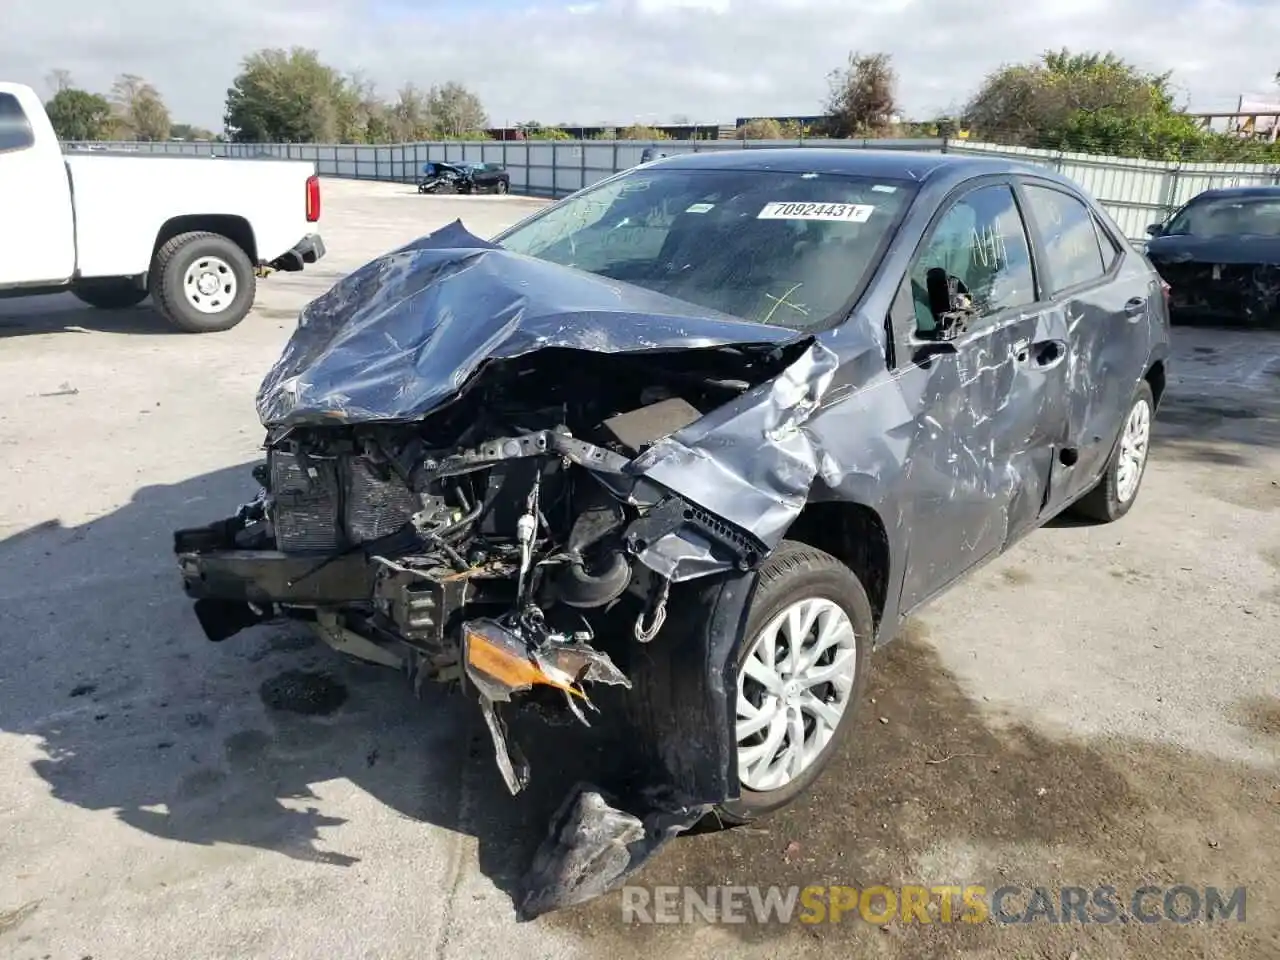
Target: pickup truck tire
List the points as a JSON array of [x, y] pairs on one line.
[[202, 282], [798, 585], [110, 294], [1118, 488]]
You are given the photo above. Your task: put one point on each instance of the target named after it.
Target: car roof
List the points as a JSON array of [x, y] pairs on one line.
[[1227, 193], [883, 164]]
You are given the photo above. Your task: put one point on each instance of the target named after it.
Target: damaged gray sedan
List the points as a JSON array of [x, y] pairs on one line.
[[705, 432]]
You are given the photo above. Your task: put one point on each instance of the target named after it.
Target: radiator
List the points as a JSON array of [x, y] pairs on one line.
[[340, 503], [306, 508], [374, 507]]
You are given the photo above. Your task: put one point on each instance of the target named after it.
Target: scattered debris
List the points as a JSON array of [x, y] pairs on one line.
[[83, 689], [65, 390], [593, 846]]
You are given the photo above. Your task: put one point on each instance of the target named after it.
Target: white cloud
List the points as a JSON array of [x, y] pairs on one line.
[[619, 60]]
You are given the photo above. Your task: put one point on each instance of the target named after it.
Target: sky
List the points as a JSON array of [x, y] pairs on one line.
[[629, 61]]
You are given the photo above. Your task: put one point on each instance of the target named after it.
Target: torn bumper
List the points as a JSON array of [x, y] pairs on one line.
[[306, 251]]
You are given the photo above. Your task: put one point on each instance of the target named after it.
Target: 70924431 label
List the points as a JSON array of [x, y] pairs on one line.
[[848, 212]]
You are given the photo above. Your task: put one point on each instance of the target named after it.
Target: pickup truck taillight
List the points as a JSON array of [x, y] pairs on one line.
[[313, 198]]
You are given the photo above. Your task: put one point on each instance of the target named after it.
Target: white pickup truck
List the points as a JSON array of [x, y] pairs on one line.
[[193, 233]]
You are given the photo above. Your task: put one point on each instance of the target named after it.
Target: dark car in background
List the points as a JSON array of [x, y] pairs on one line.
[[1220, 255], [707, 431], [464, 176]]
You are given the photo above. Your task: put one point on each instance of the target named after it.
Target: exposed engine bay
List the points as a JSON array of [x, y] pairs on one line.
[[488, 539]]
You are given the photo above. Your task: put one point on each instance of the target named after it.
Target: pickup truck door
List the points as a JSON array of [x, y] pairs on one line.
[[991, 400], [37, 226]]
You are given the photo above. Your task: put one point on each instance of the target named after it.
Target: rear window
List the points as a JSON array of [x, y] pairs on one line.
[[15, 129]]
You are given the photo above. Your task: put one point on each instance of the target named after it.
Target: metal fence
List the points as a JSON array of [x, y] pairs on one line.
[[1134, 192]]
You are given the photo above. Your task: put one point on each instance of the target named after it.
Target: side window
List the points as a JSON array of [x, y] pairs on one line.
[[1110, 249], [981, 241], [15, 131], [1070, 237]]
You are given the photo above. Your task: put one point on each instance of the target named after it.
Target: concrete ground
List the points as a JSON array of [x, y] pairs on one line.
[[1097, 707]]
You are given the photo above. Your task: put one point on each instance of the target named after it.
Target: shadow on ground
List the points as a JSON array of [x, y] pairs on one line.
[[134, 712], [62, 313]]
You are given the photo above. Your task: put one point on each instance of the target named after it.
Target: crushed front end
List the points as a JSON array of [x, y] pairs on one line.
[[502, 539]]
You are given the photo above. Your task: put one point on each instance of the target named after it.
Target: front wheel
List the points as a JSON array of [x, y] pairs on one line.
[[203, 282], [800, 676], [114, 294], [1118, 488]]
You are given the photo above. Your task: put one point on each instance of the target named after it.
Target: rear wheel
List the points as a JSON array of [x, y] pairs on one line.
[[203, 282], [1117, 490], [801, 674], [502, 187], [113, 294]]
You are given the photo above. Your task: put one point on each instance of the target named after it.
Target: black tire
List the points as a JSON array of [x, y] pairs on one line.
[[168, 274], [1103, 504], [501, 187], [793, 572], [113, 294]]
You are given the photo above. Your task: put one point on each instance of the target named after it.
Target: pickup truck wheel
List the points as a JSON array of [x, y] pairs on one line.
[[801, 674], [203, 282], [1118, 489], [109, 294], [501, 187]]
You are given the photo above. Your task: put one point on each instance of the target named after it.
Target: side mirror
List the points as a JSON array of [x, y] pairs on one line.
[[949, 302], [1155, 229]]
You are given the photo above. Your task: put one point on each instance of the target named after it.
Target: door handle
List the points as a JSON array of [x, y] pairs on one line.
[[1135, 309], [1047, 354]]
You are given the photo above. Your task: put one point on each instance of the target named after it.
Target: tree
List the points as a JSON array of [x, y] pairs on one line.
[[764, 128], [59, 80], [186, 131], [289, 96], [863, 99], [139, 108], [533, 130], [456, 112], [410, 115], [641, 132], [78, 114], [1084, 101]]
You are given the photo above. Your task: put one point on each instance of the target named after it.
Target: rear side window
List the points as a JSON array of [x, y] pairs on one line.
[[982, 243], [1069, 236], [1110, 249], [15, 130]]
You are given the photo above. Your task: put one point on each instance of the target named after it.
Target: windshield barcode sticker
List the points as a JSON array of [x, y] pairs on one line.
[[852, 212]]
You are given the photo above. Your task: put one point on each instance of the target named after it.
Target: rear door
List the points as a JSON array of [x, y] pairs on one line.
[[991, 402], [37, 231], [1106, 295]]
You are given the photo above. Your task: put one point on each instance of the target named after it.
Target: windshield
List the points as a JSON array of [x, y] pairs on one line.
[[788, 249], [1228, 217]]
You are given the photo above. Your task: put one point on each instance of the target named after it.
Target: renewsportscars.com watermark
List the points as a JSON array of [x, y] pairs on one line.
[[971, 903]]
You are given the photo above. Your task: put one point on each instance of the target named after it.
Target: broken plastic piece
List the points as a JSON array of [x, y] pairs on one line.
[[501, 661], [592, 846]]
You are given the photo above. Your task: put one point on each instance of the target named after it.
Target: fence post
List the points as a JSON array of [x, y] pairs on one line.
[[582, 164], [1171, 190], [615, 153], [943, 148]]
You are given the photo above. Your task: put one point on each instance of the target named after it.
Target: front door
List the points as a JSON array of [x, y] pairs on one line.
[[37, 232], [991, 403]]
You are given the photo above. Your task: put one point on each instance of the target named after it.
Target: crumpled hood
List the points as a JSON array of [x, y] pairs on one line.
[[1177, 248], [399, 336]]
